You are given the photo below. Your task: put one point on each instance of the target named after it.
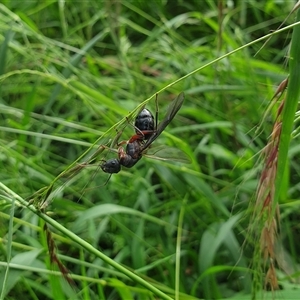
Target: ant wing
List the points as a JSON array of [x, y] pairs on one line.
[[168, 153], [171, 113]]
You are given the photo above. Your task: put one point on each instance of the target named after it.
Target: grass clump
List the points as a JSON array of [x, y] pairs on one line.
[[72, 77]]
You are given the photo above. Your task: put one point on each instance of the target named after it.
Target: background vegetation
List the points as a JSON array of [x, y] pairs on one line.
[[70, 73]]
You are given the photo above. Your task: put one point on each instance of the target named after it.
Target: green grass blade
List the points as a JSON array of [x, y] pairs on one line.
[[89, 247], [4, 289], [290, 106]]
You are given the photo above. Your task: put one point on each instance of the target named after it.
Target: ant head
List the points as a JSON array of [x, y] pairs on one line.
[[111, 166]]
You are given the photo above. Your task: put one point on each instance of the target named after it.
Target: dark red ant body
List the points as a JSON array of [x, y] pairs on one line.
[[144, 122], [146, 134]]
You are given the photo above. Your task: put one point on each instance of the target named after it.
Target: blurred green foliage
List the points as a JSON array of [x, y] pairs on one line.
[[70, 73]]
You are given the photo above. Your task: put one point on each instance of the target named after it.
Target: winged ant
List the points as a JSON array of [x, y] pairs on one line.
[[147, 131]]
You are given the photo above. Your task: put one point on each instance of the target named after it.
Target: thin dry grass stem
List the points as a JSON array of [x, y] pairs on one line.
[[263, 209], [271, 278], [281, 88], [54, 258]]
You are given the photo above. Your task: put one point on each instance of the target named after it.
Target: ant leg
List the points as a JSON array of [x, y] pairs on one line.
[[105, 183], [140, 136], [94, 156], [122, 143], [116, 139], [110, 149], [107, 180], [137, 130], [121, 152], [113, 143]]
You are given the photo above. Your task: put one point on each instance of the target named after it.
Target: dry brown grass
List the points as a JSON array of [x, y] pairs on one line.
[[265, 216]]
